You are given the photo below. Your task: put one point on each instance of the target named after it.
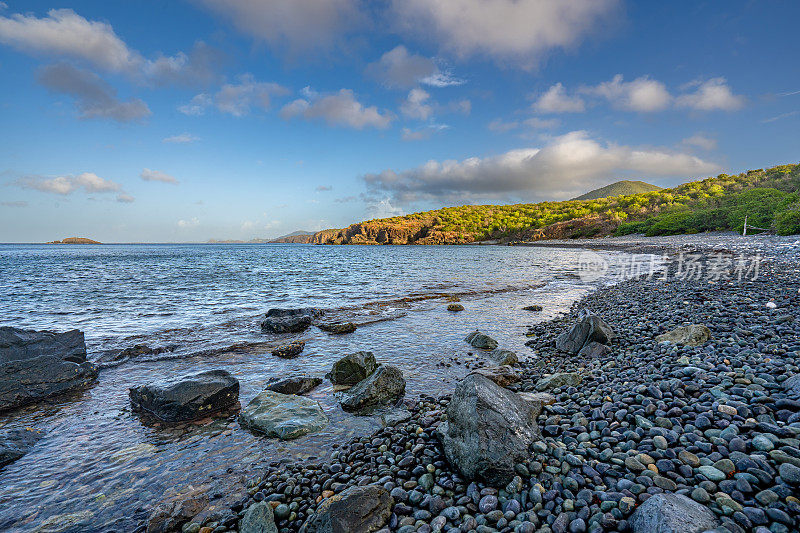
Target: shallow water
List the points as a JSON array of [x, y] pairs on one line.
[[100, 468]]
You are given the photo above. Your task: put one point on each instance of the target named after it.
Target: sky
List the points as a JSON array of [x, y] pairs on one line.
[[191, 120]]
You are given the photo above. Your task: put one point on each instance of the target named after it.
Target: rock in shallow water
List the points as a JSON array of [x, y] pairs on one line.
[[16, 443], [672, 513], [692, 335], [384, 386], [352, 368], [289, 351], [27, 381], [289, 320], [480, 340], [488, 430], [455, 307], [258, 519], [338, 329], [188, 398], [503, 357], [293, 385], [355, 510], [18, 344], [283, 416]]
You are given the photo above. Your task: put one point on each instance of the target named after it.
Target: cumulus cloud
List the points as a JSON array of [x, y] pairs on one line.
[[182, 138], [642, 94], [711, 95], [65, 185], [299, 25], [570, 164], [236, 99], [197, 106], [94, 98], [399, 68], [417, 105], [338, 109], [700, 141], [508, 30], [155, 175], [556, 100]]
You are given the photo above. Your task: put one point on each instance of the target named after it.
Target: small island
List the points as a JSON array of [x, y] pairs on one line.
[[75, 240]]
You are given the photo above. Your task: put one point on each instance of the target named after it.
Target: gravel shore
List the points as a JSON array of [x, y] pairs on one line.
[[717, 423]]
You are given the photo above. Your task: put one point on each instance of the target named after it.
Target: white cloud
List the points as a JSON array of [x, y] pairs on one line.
[[422, 133], [384, 209], [181, 138], [711, 95], [191, 223], [65, 185], [125, 198], [642, 94], [570, 164], [94, 98], [508, 30], [299, 25], [237, 99], [700, 141], [556, 100], [155, 175], [338, 109], [399, 68], [197, 106], [416, 105]]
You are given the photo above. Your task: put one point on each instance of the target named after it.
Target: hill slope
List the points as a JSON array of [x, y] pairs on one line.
[[619, 188], [770, 198]]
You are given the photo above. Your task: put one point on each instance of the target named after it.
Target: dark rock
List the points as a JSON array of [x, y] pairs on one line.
[[532, 308], [355, 510], [108, 358], [672, 513], [338, 329], [792, 386], [26, 381], [289, 320], [480, 340], [384, 386], [188, 398], [589, 327], [289, 351], [293, 385], [258, 519], [352, 368], [594, 350], [284, 416], [16, 443], [503, 375], [19, 344], [455, 307], [171, 514], [488, 430]]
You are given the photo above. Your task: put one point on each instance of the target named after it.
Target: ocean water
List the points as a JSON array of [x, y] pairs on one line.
[[99, 467]]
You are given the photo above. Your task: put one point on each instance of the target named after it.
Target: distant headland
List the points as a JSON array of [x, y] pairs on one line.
[[75, 240]]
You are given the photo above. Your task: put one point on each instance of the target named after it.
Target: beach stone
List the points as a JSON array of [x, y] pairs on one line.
[[18, 344], [672, 513], [187, 398], [561, 379], [338, 329], [480, 340], [503, 375], [503, 357], [258, 519], [588, 328], [26, 381], [282, 415], [792, 386], [289, 351], [355, 510], [711, 473], [352, 368], [293, 385], [383, 386], [488, 430], [594, 349], [541, 398], [17, 442], [455, 307], [289, 320], [692, 335], [790, 474]]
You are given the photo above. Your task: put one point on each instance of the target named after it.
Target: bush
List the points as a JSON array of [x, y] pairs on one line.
[[788, 222]]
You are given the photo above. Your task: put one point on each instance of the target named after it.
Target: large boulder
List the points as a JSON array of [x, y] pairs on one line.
[[588, 328], [293, 385], [188, 398], [385, 385], [354, 510], [488, 430], [672, 513], [289, 320], [26, 381], [18, 344], [285, 416], [691, 335], [503, 357], [352, 368], [16, 443], [481, 340], [258, 518]]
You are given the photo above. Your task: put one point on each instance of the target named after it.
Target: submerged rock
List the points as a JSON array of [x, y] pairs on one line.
[[532, 308], [352, 368], [26, 381], [672, 513], [289, 320], [355, 510], [258, 518], [284, 416], [488, 430], [480, 340], [588, 328], [110, 357], [692, 335], [560, 379], [503, 375], [288, 351], [384, 386], [188, 398], [293, 385], [338, 329], [16, 443], [503, 357], [455, 307], [20, 344], [171, 514]]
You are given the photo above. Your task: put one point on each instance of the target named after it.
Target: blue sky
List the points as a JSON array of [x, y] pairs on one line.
[[190, 120]]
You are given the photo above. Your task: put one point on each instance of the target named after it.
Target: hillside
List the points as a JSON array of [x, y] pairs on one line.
[[619, 188], [302, 237], [75, 240], [769, 197]]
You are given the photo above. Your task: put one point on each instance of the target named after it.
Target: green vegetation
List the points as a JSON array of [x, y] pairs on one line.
[[620, 188]]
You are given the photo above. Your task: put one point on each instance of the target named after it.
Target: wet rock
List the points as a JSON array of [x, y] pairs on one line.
[[26, 381], [394, 417], [384, 386], [258, 519], [289, 320], [283, 416], [455, 307], [16, 443], [293, 385], [672, 513], [352, 368], [480, 340], [19, 344], [692, 335], [503, 375], [488, 430], [503, 357], [108, 358], [289, 351], [338, 329], [355, 510], [588, 328], [171, 514], [560, 379], [534, 308], [187, 398]]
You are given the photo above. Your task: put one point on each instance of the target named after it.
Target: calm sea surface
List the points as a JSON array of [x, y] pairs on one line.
[[99, 468]]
